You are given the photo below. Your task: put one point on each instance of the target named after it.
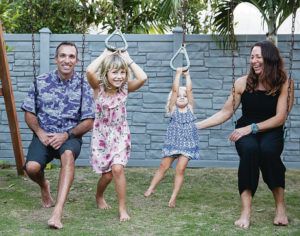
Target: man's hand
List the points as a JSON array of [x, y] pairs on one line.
[[43, 137], [57, 139]]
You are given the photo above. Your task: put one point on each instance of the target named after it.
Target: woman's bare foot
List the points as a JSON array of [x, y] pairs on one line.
[[47, 200], [244, 221], [124, 216], [280, 217], [172, 202], [101, 203], [148, 193]]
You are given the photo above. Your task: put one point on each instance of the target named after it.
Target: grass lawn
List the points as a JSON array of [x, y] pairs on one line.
[[208, 204]]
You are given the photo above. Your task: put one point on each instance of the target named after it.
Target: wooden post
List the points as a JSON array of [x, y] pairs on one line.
[[7, 92]]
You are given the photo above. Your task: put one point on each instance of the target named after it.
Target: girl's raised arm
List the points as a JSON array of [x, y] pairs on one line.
[[138, 72], [175, 89], [189, 89], [91, 70]]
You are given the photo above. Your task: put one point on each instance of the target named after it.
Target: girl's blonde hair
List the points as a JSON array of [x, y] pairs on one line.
[[168, 108], [113, 61]]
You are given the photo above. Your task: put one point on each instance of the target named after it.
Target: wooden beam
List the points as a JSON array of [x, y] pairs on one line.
[[10, 107]]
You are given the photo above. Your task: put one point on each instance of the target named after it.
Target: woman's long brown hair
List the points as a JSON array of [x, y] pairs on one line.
[[273, 75]]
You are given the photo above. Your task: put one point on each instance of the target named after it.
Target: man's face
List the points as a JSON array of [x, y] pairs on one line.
[[66, 60]]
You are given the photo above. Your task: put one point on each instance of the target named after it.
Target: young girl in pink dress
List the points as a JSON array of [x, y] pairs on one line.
[[109, 76]]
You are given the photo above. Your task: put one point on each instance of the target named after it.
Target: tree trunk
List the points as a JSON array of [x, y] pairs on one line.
[[272, 30]]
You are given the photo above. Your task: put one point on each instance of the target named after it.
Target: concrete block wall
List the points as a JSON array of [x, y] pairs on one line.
[[211, 72]]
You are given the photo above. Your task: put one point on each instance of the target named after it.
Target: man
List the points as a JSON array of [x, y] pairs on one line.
[[59, 110]]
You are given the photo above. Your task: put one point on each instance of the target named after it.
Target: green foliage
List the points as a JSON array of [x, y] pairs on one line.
[[74, 16], [4, 164], [8, 15], [194, 12], [59, 16]]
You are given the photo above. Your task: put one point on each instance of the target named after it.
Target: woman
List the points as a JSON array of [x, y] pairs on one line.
[[258, 136]]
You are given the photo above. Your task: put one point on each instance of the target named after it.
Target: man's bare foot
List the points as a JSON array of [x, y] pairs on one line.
[[47, 200], [55, 223], [101, 203], [172, 203], [148, 193], [243, 222], [280, 217], [124, 216]]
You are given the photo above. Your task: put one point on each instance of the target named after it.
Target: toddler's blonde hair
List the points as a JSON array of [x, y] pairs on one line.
[[113, 61], [168, 108]]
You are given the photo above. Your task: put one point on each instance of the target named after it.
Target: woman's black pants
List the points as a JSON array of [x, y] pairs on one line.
[[261, 151]]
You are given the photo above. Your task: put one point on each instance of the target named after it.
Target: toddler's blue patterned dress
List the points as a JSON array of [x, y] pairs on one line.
[[182, 136]]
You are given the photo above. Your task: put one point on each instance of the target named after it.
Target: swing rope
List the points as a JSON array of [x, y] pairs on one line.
[[290, 80], [84, 27], [33, 14], [233, 48], [33, 44], [117, 32], [182, 49]]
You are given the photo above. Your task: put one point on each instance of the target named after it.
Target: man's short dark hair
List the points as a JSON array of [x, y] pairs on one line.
[[68, 43]]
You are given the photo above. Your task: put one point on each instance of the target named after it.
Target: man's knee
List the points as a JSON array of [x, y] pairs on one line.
[[32, 167], [67, 158]]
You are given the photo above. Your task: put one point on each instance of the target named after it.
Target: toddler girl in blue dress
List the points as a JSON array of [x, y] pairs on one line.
[[182, 139]]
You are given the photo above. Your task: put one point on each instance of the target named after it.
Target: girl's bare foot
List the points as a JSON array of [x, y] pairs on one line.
[[55, 221], [244, 221], [172, 203], [47, 200], [124, 216], [101, 203], [280, 217], [148, 193]]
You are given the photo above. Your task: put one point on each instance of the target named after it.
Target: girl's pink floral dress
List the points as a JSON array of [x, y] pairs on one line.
[[111, 136]]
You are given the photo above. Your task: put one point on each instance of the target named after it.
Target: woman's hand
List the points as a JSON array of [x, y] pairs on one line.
[[239, 133]]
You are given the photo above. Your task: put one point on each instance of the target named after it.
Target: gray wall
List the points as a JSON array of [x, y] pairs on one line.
[[211, 72]]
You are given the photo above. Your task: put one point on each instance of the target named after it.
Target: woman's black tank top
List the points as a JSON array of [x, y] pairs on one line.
[[257, 106]]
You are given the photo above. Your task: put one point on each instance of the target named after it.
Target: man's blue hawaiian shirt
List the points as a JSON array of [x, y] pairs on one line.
[[60, 104]]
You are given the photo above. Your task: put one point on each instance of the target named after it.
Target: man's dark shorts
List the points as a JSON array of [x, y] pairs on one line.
[[42, 154]]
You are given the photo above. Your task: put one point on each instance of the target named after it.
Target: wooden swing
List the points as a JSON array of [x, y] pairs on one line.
[[7, 92]]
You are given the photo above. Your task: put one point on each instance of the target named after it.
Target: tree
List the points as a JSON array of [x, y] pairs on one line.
[[74, 16], [149, 16], [195, 13], [8, 15], [131, 16], [273, 12], [59, 16]]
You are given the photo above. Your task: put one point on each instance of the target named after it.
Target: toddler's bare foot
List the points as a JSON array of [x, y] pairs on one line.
[[172, 203], [101, 203], [124, 216], [244, 221], [280, 217], [47, 200], [148, 193]]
